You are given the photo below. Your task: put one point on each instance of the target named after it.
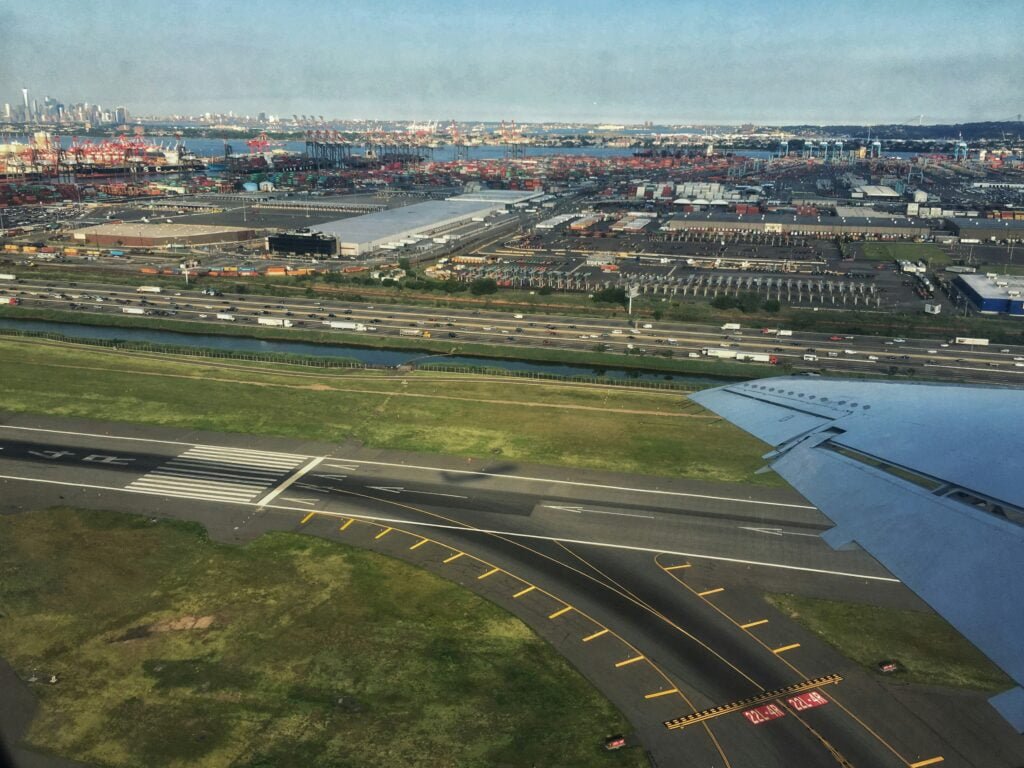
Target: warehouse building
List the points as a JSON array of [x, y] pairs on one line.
[[814, 226], [302, 243], [994, 294], [145, 235], [363, 234], [506, 197], [988, 229]]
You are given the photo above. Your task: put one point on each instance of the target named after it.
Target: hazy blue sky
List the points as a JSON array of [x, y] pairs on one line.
[[599, 60]]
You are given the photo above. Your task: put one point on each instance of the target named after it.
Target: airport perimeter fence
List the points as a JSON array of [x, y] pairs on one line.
[[326, 362], [557, 377]]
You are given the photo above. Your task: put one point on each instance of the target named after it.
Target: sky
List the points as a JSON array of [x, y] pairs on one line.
[[617, 61]]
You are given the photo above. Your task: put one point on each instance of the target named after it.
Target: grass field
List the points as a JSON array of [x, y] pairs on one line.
[[929, 649], [649, 432], [937, 258], [305, 653]]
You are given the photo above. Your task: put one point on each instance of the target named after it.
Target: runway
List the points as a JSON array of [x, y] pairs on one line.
[[651, 587]]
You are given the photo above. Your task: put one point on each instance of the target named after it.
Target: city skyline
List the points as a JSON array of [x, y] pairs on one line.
[[669, 63]]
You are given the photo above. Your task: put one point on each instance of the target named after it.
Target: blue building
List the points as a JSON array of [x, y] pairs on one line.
[[994, 294]]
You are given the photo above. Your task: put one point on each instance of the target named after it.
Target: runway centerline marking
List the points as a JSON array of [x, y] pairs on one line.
[[582, 484], [463, 529]]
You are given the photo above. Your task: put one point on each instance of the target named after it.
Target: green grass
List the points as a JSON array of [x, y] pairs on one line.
[[318, 654], [648, 432], [929, 649], [874, 251]]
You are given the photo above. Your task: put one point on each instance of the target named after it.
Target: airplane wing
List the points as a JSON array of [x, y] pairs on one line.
[[927, 478]]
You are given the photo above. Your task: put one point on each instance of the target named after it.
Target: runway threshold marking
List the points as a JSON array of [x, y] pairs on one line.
[[596, 635], [929, 761], [627, 662], [752, 624], [560, 612], [525, 591], [751, 701]]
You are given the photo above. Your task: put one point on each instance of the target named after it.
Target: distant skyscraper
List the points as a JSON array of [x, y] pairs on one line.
[[24, 95], [121, 115], [7, 112]]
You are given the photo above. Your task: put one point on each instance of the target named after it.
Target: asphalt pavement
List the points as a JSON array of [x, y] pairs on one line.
[[651, 587]]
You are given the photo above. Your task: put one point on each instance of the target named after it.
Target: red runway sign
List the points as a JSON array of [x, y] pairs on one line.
[[808, 700], [763, 714]]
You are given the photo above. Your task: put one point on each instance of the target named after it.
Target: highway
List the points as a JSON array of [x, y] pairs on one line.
[[651, 587], [806, 351]]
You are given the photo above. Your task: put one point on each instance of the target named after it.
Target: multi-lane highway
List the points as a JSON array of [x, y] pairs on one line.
[[937, 358], [651, 587]]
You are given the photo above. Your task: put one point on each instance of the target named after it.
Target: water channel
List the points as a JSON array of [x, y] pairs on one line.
[[390, 357]]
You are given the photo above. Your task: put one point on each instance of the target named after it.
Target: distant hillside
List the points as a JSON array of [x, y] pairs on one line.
[[969, 131]]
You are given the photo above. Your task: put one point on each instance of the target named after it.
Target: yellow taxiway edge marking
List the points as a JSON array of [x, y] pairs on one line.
[[307, 518], [383, 533], [677, 567], [491, 572], [522, 592], [634, 660], [929, 761], [751, 624], [347, 523], [560, 612], [596, 635], [419, 543], [784, 648], [454, 557], [714, 591], [658, 694]]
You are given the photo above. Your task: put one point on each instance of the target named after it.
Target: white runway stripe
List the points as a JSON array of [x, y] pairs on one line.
[[247, 462], [196, 486], [250, 455], [246, 482], [200, 464], [218, 472]]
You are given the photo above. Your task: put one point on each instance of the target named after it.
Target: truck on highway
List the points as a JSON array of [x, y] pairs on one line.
[[731, 327], [12, 301], [757, 357], [277, 322], [725, 354], [785, 333], [414, 332], [811, 358], [970, 340], [732, 354], [225, 316], [149, 289], [7, 276], [343, 325], [133, 310]]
